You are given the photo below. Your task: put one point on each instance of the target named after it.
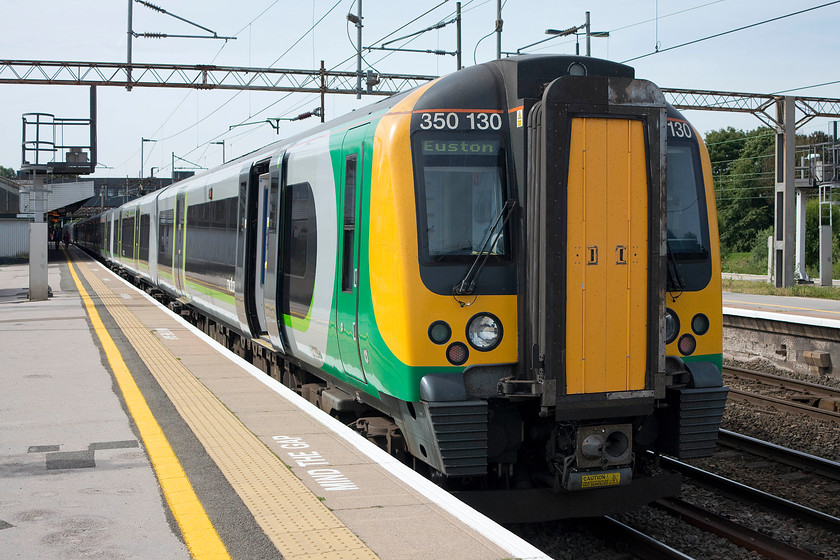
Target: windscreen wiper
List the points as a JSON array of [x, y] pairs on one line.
[[467, 285], [674, 283]]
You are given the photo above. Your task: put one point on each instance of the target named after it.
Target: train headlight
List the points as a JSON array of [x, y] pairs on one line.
[[484, 332], [672, 326]]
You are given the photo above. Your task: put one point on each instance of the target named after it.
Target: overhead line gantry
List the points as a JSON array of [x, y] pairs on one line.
[[201, 76]]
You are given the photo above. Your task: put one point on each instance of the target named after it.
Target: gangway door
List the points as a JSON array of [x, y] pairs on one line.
[[595, 238], [606, 256]]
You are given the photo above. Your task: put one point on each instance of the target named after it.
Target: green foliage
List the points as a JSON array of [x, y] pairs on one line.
[[724, 147], [744, 189], [743, 165], [753, 261], [7, 172]]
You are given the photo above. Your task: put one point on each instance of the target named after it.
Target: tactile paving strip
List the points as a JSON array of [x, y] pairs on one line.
[[298, 524]]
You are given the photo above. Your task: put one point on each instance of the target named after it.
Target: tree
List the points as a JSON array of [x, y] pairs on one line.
[[7, 172], [724, 147], [744, 188]]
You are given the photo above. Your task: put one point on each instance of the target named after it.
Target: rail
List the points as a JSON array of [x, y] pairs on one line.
[[734, 532], [742, 492], [790, 457]]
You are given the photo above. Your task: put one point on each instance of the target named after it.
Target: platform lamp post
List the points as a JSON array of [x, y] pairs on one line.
[[143, 143], [574, 31], [222, 142]]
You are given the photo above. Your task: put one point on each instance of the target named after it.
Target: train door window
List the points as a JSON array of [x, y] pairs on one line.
[[165, 233], [300, 248], [349, 222], [128, 236], [144, 237]]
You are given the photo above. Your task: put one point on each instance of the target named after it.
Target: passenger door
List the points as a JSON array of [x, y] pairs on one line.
[[260, 263], [136, 254], [178, 256], [273, 273], [347, 295]]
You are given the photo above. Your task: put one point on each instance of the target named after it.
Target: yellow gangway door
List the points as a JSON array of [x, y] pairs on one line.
[[607, 256]]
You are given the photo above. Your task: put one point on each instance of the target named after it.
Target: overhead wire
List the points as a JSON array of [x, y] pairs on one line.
[[382, 39], [191, 92], [350, 58], [611, 31], [806, 87], [721, 34], [234, 96], [413, 20]]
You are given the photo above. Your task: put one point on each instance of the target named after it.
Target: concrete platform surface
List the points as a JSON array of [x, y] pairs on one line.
[[76, 478], [74, 482], [809, 311]]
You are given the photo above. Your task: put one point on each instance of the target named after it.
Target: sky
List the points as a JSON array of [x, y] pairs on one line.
[[787, 54]]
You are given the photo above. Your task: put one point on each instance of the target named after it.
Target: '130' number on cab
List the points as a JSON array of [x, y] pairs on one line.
[[679, 129]]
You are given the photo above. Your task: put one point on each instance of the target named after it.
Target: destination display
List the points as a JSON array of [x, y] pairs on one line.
[[461, 147]]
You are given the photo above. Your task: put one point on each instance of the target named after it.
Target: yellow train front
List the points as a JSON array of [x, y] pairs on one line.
[[543, 265]]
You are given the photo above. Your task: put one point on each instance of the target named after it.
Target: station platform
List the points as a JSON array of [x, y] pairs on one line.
[[127, 433], [789, 309]]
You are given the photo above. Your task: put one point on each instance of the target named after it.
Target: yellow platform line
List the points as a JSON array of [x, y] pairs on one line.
[[199, 534], [296, 522]]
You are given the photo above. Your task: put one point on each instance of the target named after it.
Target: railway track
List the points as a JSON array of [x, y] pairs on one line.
[[791, 457], [796, 385], [743, 493], [635, 542], [734, 532], [816, 401]]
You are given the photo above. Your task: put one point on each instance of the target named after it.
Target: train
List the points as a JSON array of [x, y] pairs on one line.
[[508, 277]]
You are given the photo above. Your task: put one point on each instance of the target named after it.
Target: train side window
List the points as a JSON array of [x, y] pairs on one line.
[[145, 221], [203, 211], [192, 216], [232, 213], [349, 222], [217, 212], [300, 246]]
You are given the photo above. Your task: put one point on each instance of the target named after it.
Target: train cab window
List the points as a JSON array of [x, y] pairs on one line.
[[688, 225], [461, 180]]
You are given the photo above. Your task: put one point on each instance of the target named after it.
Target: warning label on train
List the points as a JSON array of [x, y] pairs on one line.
[[600, 479]]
